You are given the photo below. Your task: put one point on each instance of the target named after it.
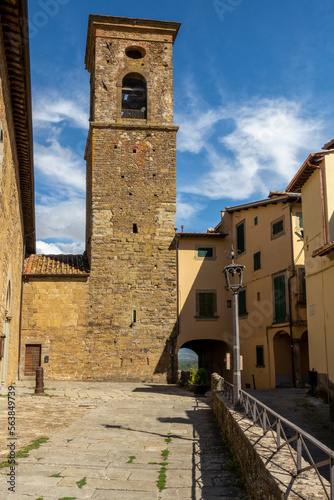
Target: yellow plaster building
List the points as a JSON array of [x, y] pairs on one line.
[[267, 239], [315, 181]]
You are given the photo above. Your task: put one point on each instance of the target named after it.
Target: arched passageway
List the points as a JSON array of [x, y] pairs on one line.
[[211, 356], [282, 355]]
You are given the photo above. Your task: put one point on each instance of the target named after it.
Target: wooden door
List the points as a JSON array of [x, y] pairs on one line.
[[32, 359]]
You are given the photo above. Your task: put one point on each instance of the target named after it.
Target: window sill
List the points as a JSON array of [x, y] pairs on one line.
[[244, 315], [260, 366]]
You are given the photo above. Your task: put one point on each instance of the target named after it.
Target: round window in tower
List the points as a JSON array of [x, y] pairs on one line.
[[135, 52]]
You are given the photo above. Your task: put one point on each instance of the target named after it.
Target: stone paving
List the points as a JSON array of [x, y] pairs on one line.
[[117, 442]]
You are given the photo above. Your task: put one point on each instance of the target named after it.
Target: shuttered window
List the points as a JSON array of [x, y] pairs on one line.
[[279, 299], [205, 252], [206, 304], [240, 238], [242, 302], [257, 261]]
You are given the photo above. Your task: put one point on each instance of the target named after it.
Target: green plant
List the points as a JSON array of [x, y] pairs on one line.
[[199, 377], [81, 483]]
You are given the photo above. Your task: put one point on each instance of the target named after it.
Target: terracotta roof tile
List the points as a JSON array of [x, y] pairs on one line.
[[56, 265]]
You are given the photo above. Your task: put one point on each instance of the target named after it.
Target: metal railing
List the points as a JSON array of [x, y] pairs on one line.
[[134, 114], [227, 389], [270, 421]]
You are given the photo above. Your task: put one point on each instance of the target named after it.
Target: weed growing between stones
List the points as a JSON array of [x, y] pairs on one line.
[[161, 482], [67, 498], [81, 483], [24, 452], [131, 459], [56, 475]]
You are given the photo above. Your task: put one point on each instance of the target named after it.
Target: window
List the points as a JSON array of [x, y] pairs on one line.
[[301, 287], [256, 221], [257, 261], [205, 252], [277, 228], [134, 98], [240, 238], [279, 299], [135, 52], [206, 304], [299, 217], [259, 355], [242, 302]]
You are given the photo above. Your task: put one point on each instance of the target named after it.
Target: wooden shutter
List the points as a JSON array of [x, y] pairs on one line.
[[242, 302], [241, 238], [32, 359], [279, 299]]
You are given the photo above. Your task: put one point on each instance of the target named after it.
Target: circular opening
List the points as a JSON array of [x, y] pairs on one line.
[[135, 52]]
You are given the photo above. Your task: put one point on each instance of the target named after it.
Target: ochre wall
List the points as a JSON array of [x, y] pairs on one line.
[[55, 316]]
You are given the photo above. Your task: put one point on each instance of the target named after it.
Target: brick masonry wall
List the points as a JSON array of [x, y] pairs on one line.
[[55, 316], [11, 233], [131, 187], [133, 179]]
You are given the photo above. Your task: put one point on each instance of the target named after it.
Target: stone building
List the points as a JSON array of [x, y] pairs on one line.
[[112, 314], [17, 222]]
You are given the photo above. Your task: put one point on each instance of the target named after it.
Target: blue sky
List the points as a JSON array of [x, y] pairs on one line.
[[253, 94]]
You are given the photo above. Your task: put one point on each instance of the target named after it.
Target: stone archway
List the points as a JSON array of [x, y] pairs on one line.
[[282, 356], [211, 356]]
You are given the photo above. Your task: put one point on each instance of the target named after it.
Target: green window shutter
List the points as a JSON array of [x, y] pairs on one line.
[[205, 252], [279, 299], [242, 302], [278, 227], [257, 261], [241, 238], [206, 304]]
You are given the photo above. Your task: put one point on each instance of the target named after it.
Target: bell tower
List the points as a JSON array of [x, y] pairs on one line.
[[131, 184]]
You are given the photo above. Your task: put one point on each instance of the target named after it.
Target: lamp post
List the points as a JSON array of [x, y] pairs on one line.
[[233, 274]]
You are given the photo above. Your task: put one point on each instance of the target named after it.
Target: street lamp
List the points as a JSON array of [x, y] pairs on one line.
[[233, 275]]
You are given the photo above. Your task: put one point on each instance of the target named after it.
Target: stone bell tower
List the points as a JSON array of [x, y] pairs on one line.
[[131, 171]]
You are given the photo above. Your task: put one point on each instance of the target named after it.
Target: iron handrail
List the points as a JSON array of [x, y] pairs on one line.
[[227, 389], [260, 416]]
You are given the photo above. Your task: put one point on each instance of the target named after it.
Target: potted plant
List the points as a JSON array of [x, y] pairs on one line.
[[199, 381]]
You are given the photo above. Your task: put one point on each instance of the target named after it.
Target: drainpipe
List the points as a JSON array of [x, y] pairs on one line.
[[290, 300]]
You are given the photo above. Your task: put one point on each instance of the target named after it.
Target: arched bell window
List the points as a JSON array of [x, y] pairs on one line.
[[134, 97]]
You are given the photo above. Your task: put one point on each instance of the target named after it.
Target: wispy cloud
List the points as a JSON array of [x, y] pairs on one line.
[[56, 109], [263, 151], [60, 165], [63, 220]]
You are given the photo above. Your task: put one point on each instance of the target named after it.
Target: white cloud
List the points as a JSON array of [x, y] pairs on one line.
[[59, 248], [60, 164], [269, 141], [56, 109], [63, 221]]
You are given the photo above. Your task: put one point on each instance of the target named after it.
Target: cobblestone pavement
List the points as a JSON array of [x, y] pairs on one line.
[[116, 442]]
